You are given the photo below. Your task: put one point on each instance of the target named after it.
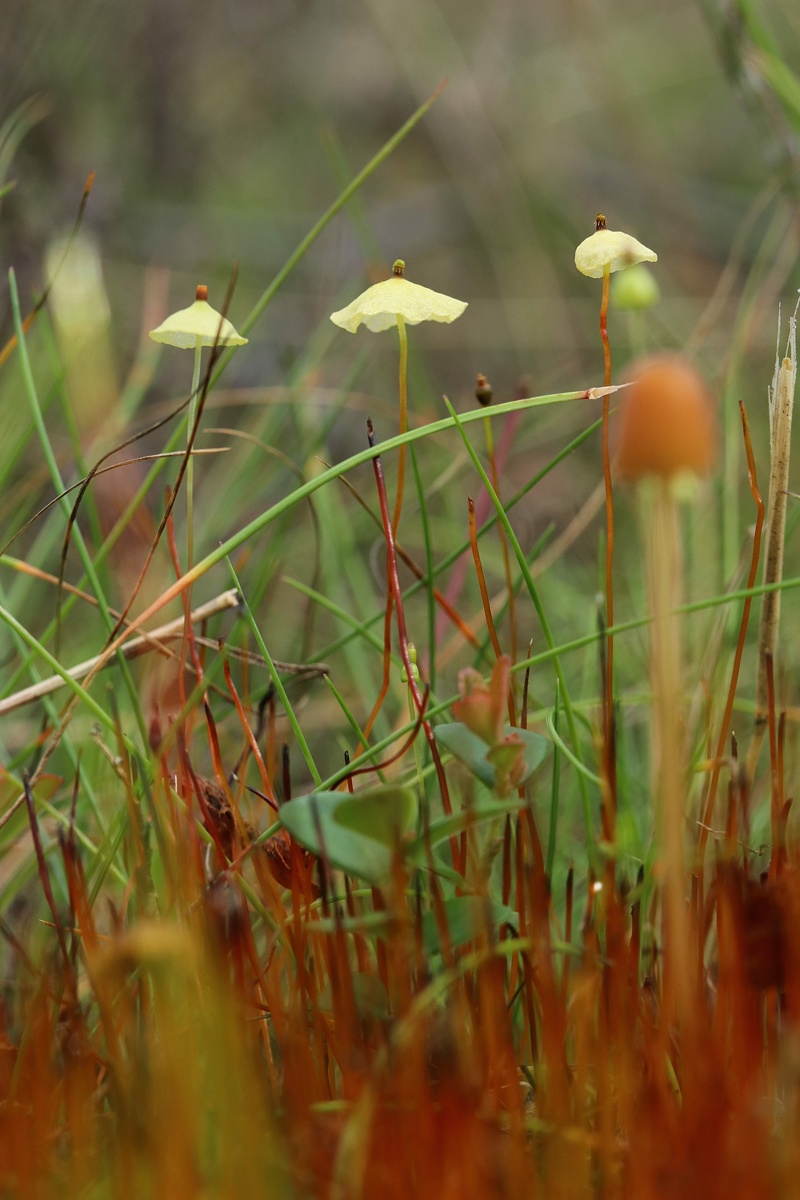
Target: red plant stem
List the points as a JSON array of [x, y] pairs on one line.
[[398, 754], [487, 606], [708, 811], [567, 932], [209, 819], [783, 805], [416, 569], [394, 582], [387, 667], [775, 787], [609, 683], [265, 779]]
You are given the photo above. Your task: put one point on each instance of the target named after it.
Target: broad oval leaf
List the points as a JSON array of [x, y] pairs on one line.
[[332, 825], [472, 750], [387, 814]]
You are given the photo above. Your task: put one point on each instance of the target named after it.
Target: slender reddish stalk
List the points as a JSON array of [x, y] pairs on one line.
[[417, 571], [609, 681], [387, 667], [254, 746], [708, 810], [774, 769]]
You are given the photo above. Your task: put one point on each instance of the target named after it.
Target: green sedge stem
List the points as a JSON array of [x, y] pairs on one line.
[[276, 679], [512, 616], [551, 835], [58, 483]]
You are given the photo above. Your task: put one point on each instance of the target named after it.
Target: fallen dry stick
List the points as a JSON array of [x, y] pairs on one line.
[[148, 641]]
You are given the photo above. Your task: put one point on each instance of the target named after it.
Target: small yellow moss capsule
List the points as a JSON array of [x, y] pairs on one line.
[[380, 305], [197, 323], [611, 250]]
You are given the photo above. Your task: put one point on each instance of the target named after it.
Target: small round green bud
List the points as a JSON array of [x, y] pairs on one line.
[[635, 288], [412, 658]]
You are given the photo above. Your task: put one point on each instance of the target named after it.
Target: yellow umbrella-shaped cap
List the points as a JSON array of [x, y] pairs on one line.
[[380, 306], [608, 248], [197, 323]]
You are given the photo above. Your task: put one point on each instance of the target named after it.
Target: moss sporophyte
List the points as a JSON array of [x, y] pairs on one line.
[[609, 250], [667, 431], [198, 325], [193, 328], [604, 251], [397, 302]]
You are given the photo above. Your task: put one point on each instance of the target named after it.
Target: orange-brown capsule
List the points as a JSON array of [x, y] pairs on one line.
[[483, 390], [667, 425]]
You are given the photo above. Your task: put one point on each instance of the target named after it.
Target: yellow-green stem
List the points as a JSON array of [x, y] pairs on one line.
[[190, 464], [609, 501], [512, 616], [412, 713], [403, 388]]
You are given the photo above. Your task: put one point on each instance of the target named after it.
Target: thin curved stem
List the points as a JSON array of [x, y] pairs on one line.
[[190, 464], [608, 706], [512, 603], [403, 389]]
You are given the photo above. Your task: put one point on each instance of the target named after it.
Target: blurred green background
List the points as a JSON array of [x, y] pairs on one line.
[[220, 131]]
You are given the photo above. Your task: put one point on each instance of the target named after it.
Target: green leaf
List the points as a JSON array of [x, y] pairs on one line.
[[466, 818], [469, 748], [468, 917], [333, 825], [387, 814], [472, 750]]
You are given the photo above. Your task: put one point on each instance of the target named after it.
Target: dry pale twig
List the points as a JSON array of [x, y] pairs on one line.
[[781, 404], [147, 641]]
